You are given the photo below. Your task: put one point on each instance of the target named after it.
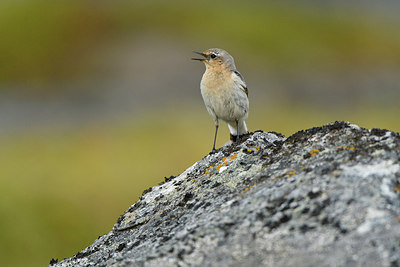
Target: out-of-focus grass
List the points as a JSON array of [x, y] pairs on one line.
[[288, 119], [43, 39], [48, 40], [61, 189]]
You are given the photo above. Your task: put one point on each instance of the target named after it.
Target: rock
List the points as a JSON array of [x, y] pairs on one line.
[[326, 196]]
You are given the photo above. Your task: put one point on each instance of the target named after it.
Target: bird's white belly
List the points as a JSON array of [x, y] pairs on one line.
[[224, 103]]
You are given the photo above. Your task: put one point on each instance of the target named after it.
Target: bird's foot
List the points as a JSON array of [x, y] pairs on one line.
[[235, 138]]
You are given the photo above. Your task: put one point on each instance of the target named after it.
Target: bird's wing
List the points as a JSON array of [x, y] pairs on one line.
[[238, 78]]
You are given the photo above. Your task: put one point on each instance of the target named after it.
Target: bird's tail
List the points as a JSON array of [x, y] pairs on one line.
[[233, 129]]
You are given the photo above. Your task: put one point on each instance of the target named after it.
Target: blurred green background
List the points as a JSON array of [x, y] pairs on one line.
[[99, 100]]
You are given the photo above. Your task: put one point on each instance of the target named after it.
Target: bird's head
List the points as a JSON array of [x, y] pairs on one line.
[[216, 58]]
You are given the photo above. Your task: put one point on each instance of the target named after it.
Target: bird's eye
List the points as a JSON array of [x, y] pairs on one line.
[[213, 56]]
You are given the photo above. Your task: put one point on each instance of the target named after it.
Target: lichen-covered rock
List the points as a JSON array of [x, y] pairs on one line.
[[327, 196]]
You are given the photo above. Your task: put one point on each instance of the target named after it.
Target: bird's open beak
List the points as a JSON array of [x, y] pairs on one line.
[[200, 59]]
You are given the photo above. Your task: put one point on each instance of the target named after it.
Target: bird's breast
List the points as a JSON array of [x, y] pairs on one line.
[[215, 83]]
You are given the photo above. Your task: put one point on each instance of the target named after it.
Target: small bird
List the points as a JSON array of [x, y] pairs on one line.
[[224, 92]]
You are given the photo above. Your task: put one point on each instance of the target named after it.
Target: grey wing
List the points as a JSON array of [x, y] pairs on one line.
[[238, 78]]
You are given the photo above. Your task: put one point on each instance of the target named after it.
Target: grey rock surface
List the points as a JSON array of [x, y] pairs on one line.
[[326, 196]]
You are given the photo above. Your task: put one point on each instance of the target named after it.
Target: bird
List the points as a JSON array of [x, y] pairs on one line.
[[224, 92]]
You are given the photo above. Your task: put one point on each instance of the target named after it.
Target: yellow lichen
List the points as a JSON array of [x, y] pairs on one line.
[[234, 156], [225, 161], [314, 152], [247, 188], [341, 147], [346, 147]]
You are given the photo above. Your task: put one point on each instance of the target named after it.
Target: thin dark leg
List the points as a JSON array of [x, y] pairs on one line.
[[215, 137], [237, 133]]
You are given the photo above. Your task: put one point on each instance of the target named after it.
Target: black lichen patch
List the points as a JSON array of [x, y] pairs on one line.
[[215, 184], [146, 191], [120, 247], [167, 179], [378, 132], [305, 228], [134, 244], [188, 196], [120, 218], [304, 135], [83, 254]]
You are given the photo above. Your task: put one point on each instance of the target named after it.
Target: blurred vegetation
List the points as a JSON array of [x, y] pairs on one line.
[[41, 34], [61, 189]]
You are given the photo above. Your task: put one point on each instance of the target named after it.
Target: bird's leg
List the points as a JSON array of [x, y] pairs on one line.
[[215, 136], [237, 128]]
